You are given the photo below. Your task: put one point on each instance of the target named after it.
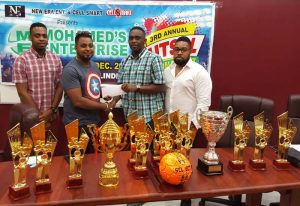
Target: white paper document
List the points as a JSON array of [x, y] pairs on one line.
[[296, 147], [111, 90]]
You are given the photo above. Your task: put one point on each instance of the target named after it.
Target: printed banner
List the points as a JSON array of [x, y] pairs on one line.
[[109, 25]]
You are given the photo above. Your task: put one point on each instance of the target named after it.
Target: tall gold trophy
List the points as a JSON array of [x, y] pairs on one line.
[[213, 124], [287, 132], [108, 139], [156, 142], [263, 131], [44, 146], [165, 140], [20, 152], [183, 135], [241, 135], [144, 136], [77, 146], [175, 130], [131, 118]]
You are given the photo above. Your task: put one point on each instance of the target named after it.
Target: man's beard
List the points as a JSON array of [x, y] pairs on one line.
[[181, 62], [85, 58]]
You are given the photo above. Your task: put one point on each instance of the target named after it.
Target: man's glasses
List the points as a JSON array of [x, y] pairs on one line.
[[183, 49]]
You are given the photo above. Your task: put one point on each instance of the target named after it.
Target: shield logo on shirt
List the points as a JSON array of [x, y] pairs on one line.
[[93, 89]]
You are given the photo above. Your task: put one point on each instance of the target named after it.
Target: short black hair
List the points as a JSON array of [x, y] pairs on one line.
[[37, 24], [185, 39], [80, 34], [138, 28]]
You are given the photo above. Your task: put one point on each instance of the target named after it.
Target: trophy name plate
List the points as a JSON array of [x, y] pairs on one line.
[[209, 170], [257, 165]]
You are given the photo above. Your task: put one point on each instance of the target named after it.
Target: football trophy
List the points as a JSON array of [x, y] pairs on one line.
[[242, 132], [143, 136], [44, 146], [263, 131], [20, 151], [287, 132], [77, 146]]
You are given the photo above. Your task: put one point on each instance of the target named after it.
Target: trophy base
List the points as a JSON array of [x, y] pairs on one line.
[[20, 193], [210, 170], [74, 183], [42, 188], [140, 173], [240, 167], [155, 158], [109, 177], [130, 164], [281, 165], [257, 165]]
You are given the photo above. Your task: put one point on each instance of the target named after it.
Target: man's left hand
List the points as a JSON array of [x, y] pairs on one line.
[[129, 87]]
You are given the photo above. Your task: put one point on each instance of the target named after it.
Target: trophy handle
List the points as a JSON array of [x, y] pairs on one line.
[[229, 112]]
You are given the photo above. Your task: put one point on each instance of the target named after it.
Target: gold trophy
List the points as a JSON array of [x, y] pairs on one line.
[[287, 132], [143, 136], [242, 132], [263, 131], [175, 130], [156, 143], [187, 134], [77, 146], [108, 139], [44, 146], [131, 118], [213, 124], [20, 152], [165, 140]]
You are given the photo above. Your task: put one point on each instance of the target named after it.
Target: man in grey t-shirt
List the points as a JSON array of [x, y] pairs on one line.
[[81, 80]]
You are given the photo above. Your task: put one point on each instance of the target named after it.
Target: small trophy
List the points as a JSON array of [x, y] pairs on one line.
[[188, 134], [77, 147], [213, 124], [20, 153], [176, 134], [263, 131], [165, 140], [44, 146], [108, 139], [144, 136], [156, 143], [241, 135], [131, 118], [287, 132]]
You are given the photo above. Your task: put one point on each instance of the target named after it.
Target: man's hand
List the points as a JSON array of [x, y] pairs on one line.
[[107, 98], [129, 87], [46, 116]]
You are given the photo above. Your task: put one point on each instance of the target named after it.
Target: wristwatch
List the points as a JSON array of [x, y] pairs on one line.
[[54, 110], [138, 87]]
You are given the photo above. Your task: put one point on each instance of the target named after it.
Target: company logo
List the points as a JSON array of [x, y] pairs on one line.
[[14, 11], [118, 12]]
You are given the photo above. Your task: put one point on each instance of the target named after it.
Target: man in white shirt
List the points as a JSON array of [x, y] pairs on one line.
[[188, 84]]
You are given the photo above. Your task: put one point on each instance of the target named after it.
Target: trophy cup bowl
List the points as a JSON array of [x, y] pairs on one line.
[[213, 124], [109, 139]]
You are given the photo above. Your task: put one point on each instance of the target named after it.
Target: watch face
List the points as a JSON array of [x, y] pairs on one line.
[[54, 110]]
